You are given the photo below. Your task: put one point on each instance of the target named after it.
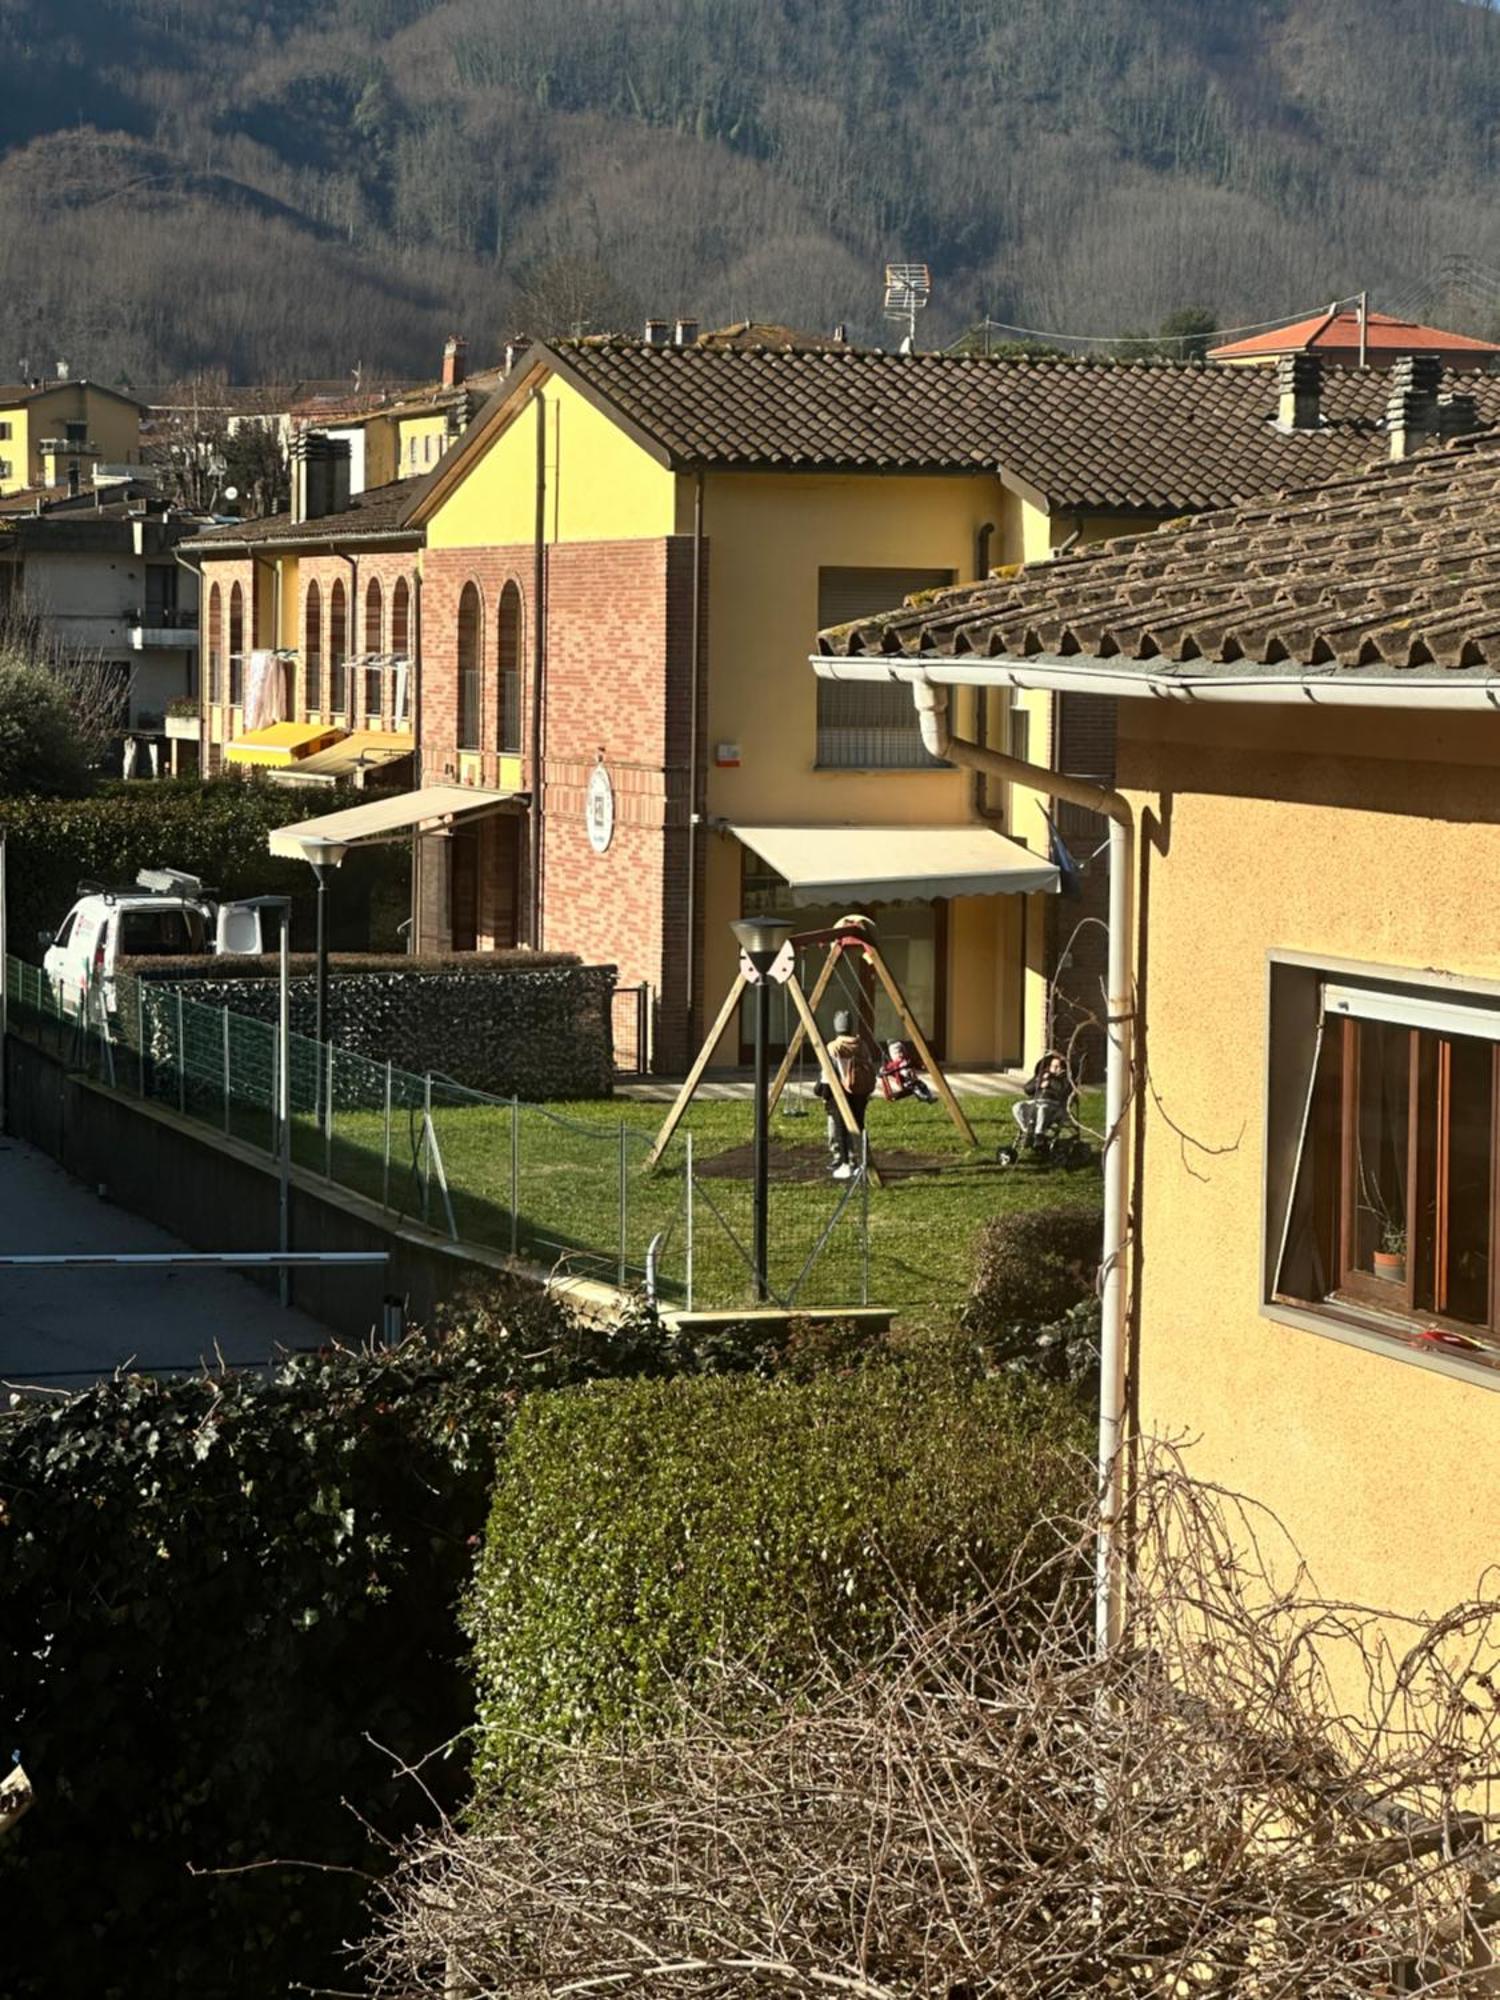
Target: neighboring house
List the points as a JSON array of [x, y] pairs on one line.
[[54, 433], [399, 433], [1348, 338], [331, 589], [1308, 692], [688, 763], [103, 574]]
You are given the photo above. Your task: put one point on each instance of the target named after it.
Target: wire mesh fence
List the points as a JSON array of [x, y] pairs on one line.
[[577, 1195]]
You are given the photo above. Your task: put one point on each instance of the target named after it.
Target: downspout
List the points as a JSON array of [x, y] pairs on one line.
[[932, 714], [980, 801], [538, 664], [695, 801]]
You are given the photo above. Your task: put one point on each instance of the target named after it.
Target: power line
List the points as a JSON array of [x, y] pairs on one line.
[[1164, 339]]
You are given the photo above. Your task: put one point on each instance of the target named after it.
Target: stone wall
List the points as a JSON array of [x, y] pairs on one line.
[[527, 1025]]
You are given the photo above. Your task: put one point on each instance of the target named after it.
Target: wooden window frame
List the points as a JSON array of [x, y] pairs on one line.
[[509, 653], [312, 649], [338, 649], [468, 707]]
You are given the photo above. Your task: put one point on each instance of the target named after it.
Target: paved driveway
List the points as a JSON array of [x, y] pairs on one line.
[[66, 1326]]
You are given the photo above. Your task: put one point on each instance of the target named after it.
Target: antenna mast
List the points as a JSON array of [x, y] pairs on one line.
[[908, 291]]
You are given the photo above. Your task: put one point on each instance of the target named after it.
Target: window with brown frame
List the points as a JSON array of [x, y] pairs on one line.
[[374, 676], [215, 645], [510, 670], [236, 645], [338, 649], [468, 668], [1394, 1214]]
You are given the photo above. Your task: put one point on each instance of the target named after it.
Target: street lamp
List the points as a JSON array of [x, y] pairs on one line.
[[760, 940], [322, 855]]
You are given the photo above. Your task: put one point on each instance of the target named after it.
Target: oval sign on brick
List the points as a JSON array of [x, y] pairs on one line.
[[599, 813]]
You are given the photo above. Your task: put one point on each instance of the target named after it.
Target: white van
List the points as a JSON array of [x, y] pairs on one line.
[[164, 914]]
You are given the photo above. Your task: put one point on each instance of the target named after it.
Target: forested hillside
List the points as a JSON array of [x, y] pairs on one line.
[[299, 186]]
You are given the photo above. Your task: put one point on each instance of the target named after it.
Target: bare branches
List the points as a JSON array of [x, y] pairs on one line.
[[1263, 1794]]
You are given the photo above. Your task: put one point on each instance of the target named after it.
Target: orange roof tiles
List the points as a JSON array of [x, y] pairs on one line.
[[1335, 336]]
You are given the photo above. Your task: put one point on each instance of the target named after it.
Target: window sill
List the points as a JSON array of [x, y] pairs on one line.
[[1392, 1336]]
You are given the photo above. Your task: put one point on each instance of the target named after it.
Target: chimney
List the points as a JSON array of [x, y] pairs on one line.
[[1412, 411], [1299, 385], [513, 351], [320, 475], [64, 370], [841, 334], [685, 333], [455, 361], [658, 333]]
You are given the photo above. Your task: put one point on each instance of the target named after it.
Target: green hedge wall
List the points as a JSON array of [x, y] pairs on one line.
[[216, 829], [639, 1530]]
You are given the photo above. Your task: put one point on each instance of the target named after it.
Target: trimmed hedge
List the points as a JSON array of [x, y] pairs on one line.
[[215, 829], [639, 1530], [1032, 1266]]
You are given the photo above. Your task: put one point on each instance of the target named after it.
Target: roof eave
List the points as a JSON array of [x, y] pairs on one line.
[[1168, 680]]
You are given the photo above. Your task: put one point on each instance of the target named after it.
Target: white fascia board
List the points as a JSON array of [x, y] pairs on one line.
[[1052, 673]]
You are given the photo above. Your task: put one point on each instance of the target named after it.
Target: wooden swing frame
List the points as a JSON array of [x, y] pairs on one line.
[[837, 942]]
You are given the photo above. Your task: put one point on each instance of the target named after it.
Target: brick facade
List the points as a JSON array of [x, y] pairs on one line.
[[618, 657]]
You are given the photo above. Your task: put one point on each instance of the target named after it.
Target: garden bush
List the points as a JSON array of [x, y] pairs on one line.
[[226, 1603], [215, 829], [1032, 1267], [640, 1530]]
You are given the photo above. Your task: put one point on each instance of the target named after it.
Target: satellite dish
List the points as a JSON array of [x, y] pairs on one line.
[[231, 493]]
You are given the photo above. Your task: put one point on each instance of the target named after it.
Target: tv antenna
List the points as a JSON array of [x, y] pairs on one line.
[[908, 291]]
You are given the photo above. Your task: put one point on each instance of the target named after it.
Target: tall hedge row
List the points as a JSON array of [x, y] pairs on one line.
[[216, 829], [638, 1529]]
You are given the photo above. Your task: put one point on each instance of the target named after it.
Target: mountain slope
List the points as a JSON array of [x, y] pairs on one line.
[[300, 185]]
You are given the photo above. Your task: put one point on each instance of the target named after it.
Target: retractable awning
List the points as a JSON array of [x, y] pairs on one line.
[[897, 864], [429, 810], [281, 743], [364, 750]]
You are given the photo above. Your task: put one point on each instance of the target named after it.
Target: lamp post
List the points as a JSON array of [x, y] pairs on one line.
[[322, 855], [760, 940]]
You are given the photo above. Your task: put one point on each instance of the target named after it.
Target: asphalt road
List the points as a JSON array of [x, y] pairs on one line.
[[65, 1327]]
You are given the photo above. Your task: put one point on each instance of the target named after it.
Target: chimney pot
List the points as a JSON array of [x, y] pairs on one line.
[[1299, 385], [658, 332], [685, 333], [1412, 412], [455, 361]]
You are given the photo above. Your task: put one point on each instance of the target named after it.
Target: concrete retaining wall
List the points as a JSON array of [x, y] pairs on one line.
[[219, 1195]]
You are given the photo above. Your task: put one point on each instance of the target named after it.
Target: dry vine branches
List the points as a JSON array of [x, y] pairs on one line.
[[1262, 1795]]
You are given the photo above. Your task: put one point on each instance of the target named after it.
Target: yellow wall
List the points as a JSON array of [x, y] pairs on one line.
[[601, 486], [16, 449], [412, 436], [113, 428], [1380, 842]]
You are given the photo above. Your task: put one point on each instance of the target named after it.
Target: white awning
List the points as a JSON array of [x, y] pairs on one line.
[[428, 810], [897, 864]]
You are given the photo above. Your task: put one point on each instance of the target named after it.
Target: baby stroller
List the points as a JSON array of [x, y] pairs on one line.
[[1048, 1132], [903, 1074]]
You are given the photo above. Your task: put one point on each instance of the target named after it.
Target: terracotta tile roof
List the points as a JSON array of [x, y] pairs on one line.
[[1335, 336], [1150, 437], [377, 511], [1390, 575]]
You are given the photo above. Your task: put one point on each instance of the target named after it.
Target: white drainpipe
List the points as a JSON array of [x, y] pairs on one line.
[[932, 713]]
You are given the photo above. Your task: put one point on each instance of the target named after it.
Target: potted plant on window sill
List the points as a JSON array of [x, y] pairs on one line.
[[1389, 1261]]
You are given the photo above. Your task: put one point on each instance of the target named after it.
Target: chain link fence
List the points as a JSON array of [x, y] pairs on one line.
[[577, 1195]]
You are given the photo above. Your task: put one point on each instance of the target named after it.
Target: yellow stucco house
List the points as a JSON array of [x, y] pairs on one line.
[[783, 489], [1308, 694], [53, 433]]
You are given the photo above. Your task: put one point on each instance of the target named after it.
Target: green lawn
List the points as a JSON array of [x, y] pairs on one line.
[[577, 1177]]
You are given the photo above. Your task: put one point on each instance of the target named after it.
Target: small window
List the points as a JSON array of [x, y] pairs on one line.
[[870, 725], [5, 469], [170, 933], [5, 431], [75, 433], [1391, 1218]]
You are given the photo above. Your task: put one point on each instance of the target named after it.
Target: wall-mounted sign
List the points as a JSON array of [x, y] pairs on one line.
[[726, 755], [599, 812]]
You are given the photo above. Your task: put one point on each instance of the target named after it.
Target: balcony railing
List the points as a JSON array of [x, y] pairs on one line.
[[173, 631]]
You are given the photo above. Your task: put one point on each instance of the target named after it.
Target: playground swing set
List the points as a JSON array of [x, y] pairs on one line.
[[852, 942]]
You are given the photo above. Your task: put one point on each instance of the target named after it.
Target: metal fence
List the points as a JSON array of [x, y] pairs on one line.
[[574, 1193]]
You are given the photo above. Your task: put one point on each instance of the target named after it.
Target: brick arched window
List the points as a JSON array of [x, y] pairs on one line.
[[236, 646], [468, 668], [401, 618], [509, 650], [215, 644], [338, 649], [374, 646], [312, 648]]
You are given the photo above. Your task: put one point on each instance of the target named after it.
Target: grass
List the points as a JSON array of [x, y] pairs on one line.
[[577, 1176]]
